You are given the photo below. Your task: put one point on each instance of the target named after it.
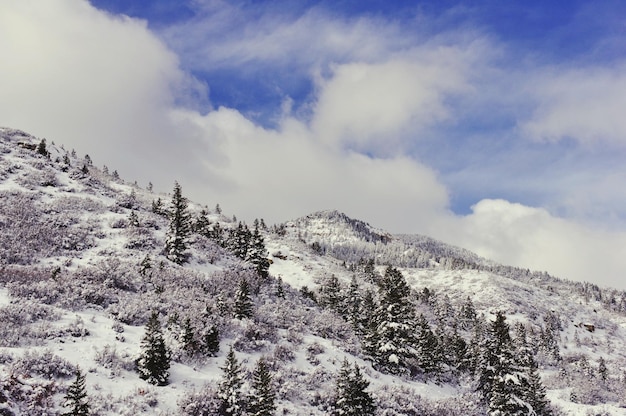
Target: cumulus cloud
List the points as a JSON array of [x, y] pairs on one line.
[[529, 237], [370, 107], [92, 81], [581, 104]]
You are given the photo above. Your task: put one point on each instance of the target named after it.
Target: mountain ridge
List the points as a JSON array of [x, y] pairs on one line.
[[83, 264]]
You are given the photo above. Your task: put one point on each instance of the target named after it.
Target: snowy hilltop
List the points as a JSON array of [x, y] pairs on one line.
[[115, 300]]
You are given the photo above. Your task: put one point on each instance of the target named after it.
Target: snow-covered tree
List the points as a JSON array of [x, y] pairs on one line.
[[230, 393], [211, 341], [262, 399], [429, 355], [257, 254], [76, 397], [154, 360], [202, 225], [351, 397], [176, 241], [395, 329], [243, 307], [501, 378]]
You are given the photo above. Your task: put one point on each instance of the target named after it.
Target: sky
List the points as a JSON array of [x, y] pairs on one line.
[[495, 126]]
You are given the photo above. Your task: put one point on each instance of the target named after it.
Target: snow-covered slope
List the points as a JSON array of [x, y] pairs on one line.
[[82, 267]]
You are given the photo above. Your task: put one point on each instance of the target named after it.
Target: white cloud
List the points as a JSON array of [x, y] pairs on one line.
[[223, 35], [370, 107], [583, 104], [92, 81], [528, 237]]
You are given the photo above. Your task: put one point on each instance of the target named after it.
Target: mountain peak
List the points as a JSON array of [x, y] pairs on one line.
[[336, 226]]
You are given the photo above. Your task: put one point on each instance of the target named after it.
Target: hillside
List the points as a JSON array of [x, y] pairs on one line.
[[84, 267]]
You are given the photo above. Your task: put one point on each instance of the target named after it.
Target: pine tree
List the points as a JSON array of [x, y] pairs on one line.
[[353, 301], [211, 341], [230, 388], [188, 338], [429, 353], [263, 395], [501, 380], [176, 243], [243, 302], [351, 399], [236, 240], [154, 361], [280, 291], [41, 148], [396, 324], [257, 254], [76, 397], [368, 324], [603, 371], [202, 224], [330, 294]]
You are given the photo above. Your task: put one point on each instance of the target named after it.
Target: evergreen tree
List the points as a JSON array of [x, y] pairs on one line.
[[133, 219], [188, 338], [211, 341], [534, 393], [257, 254], [330, 294], [368, 324], [603, 370], [145, 266], [396, 324], [352, 308], [76, 397], [243, 302], [429, 353], [501, 380], [263, 396], [41, 148], [176, 243], [230, 388], [154, 360], [157, 207], [351, 399], [280, 291], [468, 314], [202, 225]]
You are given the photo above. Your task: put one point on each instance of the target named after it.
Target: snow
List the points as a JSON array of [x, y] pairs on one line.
[[298, 265]]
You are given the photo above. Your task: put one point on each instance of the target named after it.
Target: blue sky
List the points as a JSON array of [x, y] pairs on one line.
[[494, 125], [527, 35]]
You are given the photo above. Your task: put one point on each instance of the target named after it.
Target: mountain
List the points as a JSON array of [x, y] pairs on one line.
[[96, 275]]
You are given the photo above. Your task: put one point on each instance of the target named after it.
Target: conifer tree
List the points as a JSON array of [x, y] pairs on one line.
[[230, 388], [280, 291], [353, 301], [603, 370], [257, 254], [76, 397], [243, 302], [211, 341], [351, 397], [368, 325], [429, 354], [263, 396], [154, 360], [395, 329], [501, 379], [41, 148], [330, 294], [202, 225], [176, 243]]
